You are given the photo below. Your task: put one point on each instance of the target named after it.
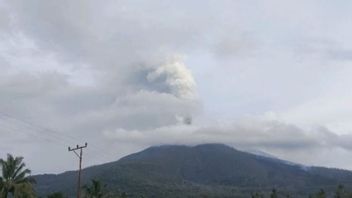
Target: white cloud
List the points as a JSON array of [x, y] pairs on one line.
[[283, 140], [122, 75]]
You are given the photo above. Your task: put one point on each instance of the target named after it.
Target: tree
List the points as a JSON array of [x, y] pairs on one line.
[[123, 195], [340, 191], [257, 195], [321, 194], [273, 193], [95, 190], [15, 178], [56, 195]]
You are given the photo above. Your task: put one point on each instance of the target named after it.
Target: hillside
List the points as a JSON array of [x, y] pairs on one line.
[[214, 170]]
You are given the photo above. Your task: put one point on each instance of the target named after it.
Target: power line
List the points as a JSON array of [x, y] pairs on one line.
[[52, 135], [55, 135]]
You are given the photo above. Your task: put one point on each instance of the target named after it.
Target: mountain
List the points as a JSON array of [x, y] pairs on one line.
[[210, 170]]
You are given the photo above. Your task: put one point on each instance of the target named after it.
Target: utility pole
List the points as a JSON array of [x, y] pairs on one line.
[[80, 148]]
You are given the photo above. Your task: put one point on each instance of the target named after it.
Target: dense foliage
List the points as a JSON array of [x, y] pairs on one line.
[[207, 171], [95, 190], [15, 178], [203, 171]]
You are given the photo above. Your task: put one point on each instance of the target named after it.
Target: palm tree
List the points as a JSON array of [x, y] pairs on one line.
[[96, 190], [15, 179]]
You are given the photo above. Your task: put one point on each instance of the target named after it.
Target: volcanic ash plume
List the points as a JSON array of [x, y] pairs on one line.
[[177, 78]]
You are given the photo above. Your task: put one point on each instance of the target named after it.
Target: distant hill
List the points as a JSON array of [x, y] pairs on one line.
[[208, 170]]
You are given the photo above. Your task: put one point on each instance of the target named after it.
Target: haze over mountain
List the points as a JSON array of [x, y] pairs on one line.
[[215, 170]]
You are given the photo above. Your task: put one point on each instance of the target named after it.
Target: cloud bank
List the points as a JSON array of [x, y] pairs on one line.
[[126, 75]]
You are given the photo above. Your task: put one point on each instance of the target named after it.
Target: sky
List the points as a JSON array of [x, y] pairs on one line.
[[121, 75]]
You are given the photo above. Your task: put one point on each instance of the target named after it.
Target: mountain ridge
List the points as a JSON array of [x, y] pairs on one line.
[[213, 168]]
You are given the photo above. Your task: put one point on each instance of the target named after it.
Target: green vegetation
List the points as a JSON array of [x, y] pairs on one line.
[[274, 194], [208, 171], [95, 190], [15, 178], [56, 195]]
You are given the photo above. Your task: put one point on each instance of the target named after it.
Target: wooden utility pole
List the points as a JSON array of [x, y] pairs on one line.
[[80, 155]]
